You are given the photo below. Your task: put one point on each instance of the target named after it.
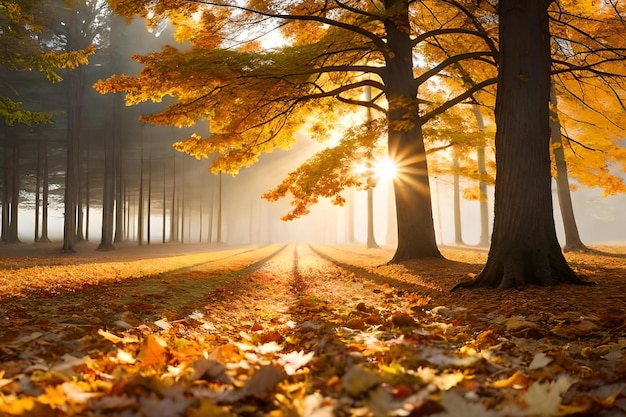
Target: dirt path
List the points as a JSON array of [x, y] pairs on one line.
[[302, 330]]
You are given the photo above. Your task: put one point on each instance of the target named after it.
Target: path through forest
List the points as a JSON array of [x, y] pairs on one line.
[[288, 330]]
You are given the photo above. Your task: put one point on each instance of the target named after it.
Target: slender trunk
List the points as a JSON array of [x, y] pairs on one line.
[[458, 232], [524, 248], [45, 195], [482, 185], [15, 193], [38, 189], [219, 209], [164, 206], [118, 175], [6, 172], [87, 193], [211, 210], [572, 237], [416, 231], [108, 191], [149, 214], [371, 240], [173, 213], [140, 214], [350, 216]]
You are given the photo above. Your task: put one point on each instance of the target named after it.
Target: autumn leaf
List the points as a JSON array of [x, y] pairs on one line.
[[153, 352]]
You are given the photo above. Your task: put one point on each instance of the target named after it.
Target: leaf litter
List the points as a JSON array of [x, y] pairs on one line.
[[307, 331]]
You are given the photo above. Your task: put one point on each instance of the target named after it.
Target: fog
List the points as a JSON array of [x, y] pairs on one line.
[[249, 219]]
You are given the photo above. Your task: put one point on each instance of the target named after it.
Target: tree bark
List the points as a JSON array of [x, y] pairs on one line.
[[524, 248], [416, 231]]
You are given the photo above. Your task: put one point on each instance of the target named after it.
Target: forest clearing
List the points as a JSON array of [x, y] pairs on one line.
[[311, 330]]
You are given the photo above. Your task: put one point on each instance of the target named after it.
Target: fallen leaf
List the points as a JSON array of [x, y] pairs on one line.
[[293, 361], [260, 384], [518, 381], [544, 398], [540, 360], [456, 405], [152, 352]]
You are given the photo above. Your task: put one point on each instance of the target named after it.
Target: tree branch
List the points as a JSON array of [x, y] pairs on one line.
[[453, 102]]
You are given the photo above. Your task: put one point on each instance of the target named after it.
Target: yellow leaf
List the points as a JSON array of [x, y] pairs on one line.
[[14, 406], [208, 408], [153, 352], [518, 381]]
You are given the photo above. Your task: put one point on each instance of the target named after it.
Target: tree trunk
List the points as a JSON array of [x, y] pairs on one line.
[[163, 225], [38, 188], [371, 240], [74, 103], [12, 236], [149, 214], [45, 195], [6, 172], [140, 214], [573, 242], [524, 248], [218, 239], [458, 231], [416, 231], [108, 193], [119, 170], [482, 185]]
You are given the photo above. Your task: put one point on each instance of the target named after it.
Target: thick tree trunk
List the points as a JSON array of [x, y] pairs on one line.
[[524, 248], [573, 242], [416, 231]]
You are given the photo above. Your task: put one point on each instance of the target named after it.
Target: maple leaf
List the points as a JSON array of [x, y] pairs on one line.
[[544, 399], [153, 352]]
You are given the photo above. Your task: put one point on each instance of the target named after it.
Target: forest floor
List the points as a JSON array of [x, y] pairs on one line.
[[302, 330]]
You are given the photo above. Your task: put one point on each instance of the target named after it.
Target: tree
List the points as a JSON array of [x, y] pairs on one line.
[[256, 99], [524, 247]]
